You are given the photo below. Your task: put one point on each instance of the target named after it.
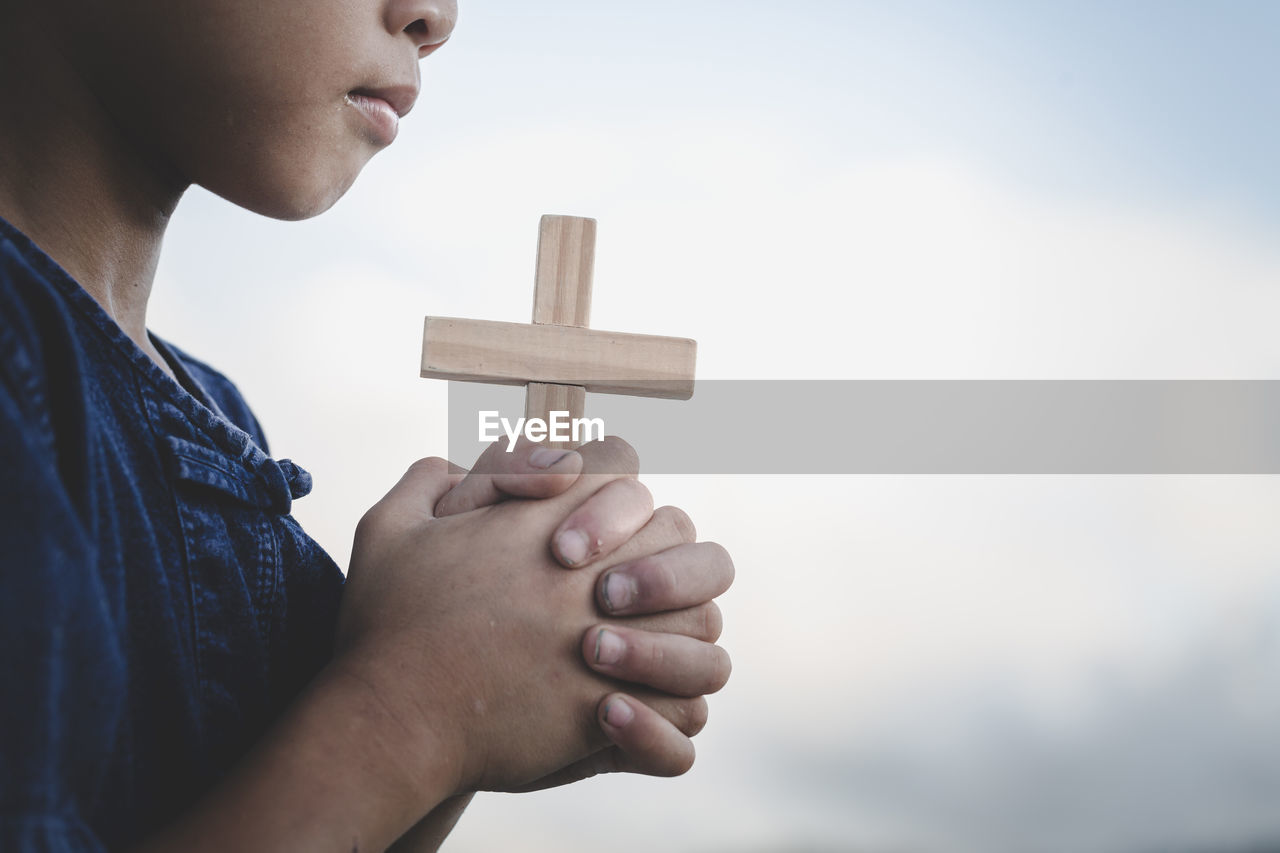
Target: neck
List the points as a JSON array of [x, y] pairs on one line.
[[73, 182]]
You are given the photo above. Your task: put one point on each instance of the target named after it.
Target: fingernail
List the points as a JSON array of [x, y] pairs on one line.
[[618, 713], [619, 591], [545, 457], [609, 647], [574, 546]]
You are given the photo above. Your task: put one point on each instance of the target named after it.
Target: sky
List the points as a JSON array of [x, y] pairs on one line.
[[846, 190]]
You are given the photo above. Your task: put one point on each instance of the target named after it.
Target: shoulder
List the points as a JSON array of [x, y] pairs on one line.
[[224, 393]]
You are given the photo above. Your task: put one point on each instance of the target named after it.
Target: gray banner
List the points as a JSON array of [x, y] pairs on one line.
[[923, 427]]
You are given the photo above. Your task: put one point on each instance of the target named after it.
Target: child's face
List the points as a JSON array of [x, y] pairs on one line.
[[257, 100]]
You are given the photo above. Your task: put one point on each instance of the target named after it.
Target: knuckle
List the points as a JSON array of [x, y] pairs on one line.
[[428, 465], [638, 492], [368, 525], [679, 522], [486, 457], [723, 668], [683, 764], [721, 557], [695, 716], [656, 581], [654, 657], [624, 455], [712, 622]]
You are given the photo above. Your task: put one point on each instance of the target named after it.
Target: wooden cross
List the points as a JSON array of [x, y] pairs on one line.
[[557, 357]]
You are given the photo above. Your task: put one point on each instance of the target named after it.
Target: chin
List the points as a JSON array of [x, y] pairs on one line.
[[288, 192], [294, 208]]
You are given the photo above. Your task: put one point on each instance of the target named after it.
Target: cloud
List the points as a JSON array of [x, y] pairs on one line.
[[1181, 760]]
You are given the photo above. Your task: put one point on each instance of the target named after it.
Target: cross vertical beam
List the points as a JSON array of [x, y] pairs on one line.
[[562, 297]]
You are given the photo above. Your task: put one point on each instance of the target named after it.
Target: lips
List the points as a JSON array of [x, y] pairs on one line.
[[383, 108], [401, 98]]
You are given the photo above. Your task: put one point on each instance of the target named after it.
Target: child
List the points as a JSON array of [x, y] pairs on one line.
[[183, 667]]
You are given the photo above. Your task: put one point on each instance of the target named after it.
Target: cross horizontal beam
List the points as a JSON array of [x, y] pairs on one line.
[[518, 353]]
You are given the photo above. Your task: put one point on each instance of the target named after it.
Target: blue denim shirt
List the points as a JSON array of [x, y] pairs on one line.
[[158, 604]]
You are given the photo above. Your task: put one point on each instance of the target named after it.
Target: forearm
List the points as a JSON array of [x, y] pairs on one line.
[[333, 774]]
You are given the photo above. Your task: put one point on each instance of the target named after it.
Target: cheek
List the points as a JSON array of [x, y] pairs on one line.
[[291, 164], [244, 98], [283, 143]]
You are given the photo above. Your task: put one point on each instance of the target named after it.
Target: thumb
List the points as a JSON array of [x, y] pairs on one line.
[[528, 470]]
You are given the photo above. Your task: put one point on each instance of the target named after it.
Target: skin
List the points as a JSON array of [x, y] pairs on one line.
[[123, 105], [126, 104], [388, 732]]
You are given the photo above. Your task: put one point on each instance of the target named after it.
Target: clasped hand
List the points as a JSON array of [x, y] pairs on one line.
[[497, 613]]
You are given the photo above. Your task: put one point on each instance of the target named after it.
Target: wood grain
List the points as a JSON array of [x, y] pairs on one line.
[[558, 357], [562, 296], [518, 353], [566, 266]]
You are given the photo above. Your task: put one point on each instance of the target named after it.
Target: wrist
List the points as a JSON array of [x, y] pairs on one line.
[[406, 747], [337, 772]]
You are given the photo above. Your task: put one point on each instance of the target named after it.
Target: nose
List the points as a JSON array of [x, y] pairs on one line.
[[428, 22]]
